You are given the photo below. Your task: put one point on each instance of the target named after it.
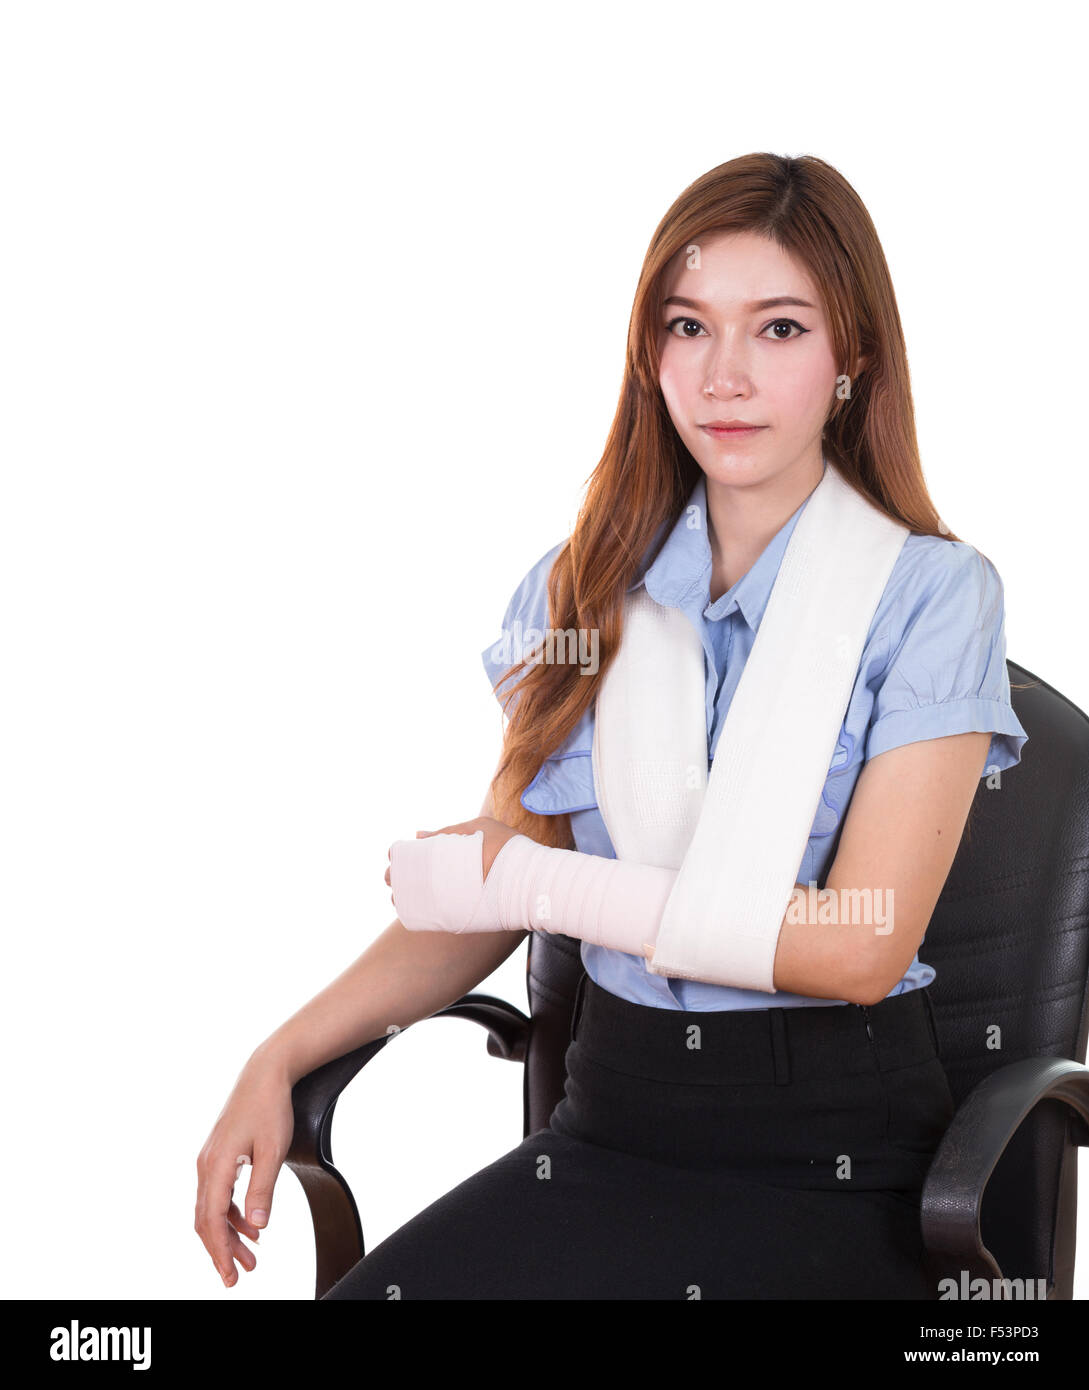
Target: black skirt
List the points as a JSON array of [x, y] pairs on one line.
[[756, 1154]]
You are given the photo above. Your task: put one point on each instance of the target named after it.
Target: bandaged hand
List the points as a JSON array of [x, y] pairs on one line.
[[439, 884], [495, 834]]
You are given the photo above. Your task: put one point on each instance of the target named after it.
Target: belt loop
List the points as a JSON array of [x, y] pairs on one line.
[[874, 1038], [780, 1050], [925, 992], [576, 1008]]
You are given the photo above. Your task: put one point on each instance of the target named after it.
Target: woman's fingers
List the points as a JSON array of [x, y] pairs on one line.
[[266, 1166], [242, 1253], [215, 1184], [239, 1222]]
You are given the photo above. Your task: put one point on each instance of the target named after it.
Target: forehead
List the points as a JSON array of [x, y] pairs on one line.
[[729, 269]]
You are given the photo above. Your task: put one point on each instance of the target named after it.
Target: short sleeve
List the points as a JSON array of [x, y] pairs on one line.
[[947, 672], [565, 780], [523, 624]]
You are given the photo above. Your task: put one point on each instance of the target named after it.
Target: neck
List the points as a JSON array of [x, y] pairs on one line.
[[743, 518]]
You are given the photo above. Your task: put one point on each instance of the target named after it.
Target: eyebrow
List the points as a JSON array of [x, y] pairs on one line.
[[752, 306]]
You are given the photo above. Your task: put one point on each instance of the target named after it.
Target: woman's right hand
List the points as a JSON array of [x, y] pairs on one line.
[[258, 1121]]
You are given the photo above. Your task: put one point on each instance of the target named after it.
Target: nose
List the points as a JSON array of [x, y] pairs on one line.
[[727, 371]]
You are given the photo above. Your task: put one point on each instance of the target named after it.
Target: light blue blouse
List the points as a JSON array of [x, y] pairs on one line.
[[934, 663]]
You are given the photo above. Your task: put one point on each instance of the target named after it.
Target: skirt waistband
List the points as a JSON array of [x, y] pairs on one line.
[[752, 1045]]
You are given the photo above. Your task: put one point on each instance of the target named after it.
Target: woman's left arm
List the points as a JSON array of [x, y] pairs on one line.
[[901, 834]]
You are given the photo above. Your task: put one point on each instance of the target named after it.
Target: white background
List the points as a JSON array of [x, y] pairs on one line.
[[313, 323]]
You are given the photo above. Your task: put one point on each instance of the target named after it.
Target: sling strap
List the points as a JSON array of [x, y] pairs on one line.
[[738, 834]]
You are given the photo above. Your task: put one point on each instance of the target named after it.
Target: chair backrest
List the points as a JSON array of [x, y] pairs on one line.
[[1009, 940], [553, 972]]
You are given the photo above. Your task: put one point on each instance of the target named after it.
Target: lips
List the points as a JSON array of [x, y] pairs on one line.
[[729, 431]]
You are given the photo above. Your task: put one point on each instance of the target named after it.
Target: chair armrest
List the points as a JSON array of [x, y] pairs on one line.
[[338, 1232], [985, 1122]]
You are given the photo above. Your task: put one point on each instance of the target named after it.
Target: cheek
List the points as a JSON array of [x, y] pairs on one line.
[[672, 379], [804, 386]]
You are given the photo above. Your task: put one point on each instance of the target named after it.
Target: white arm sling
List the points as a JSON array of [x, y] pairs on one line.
[[738, 836]]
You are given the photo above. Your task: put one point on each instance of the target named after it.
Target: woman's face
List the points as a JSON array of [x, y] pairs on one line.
[[727, 356]]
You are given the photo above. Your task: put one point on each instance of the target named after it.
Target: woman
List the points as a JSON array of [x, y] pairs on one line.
[[783, 1158]]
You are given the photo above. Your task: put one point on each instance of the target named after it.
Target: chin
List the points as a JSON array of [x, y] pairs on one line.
[[737, 467]]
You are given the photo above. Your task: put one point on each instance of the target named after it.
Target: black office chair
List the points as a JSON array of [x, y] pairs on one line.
[[1009, 940]]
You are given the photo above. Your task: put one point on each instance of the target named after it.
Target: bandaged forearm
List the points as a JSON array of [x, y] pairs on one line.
[[438, 885]]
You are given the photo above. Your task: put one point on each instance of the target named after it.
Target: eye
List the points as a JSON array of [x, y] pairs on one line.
[[786, 323], [669, 326]]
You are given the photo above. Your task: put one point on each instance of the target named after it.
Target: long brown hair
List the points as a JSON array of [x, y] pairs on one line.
[[646, 475]]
